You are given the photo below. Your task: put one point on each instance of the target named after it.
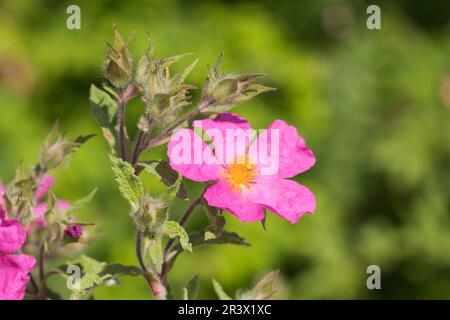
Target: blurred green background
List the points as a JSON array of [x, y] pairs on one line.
[[374, 106]]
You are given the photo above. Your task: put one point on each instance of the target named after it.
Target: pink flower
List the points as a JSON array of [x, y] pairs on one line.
[[14, 269], [14, 275], [256, 177], [41, 206]]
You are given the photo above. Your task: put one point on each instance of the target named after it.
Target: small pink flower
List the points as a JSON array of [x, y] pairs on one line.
[[75, 231], [244, 186]]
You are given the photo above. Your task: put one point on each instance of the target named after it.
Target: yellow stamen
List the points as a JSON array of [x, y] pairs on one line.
[[240, 175]]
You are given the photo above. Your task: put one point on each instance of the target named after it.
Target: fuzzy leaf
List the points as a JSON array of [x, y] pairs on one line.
[[173, 230], [153, 247], [172, 191], [180, 77], [105, 109], [129, 184], [95, 273]]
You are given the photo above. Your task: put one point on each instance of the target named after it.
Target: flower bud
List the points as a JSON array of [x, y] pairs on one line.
[[56, 150], [225, 90], [151, 214], [118, 67], [75, 231]]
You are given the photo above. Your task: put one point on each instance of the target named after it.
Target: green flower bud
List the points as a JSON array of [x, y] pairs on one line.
[[118, 66], [226, 90], [56, 150], [150, 215]]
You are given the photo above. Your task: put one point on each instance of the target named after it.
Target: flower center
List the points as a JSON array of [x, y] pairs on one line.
[[240, 174]]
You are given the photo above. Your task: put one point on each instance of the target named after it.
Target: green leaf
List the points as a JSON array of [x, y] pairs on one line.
[[219, 291], [95, 273], [180, 77], [190, 292], [207, 237], [105, 109], [216, 220], [77, 205], [153, 247], [163, 171], [171, 60], [173, 230], [263, 290], [83, 139], [129, 184], [172, 191]]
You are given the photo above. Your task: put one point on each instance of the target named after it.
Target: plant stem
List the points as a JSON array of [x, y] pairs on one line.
[[159, 291], [182, 222], [34, 285], [166, 133], [122, 127], [138, 147], [158, 288], [42, 281]]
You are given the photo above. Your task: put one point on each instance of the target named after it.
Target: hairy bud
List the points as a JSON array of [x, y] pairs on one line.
[[56, 150], [118, 66], [150, 215], [226, 90]]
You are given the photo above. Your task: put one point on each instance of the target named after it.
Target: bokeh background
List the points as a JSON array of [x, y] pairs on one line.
[[373, 105]]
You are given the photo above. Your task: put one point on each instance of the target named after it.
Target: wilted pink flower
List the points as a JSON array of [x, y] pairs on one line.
[[14, 269], [249, 183]]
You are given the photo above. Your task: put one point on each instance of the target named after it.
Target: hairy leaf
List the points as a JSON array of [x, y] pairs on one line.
[[130, 185], [105, 109], [95, 273], [173, 230]]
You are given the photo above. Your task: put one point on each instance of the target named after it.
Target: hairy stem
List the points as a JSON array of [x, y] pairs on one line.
[[159, 291], [122, 128], [166, 133]]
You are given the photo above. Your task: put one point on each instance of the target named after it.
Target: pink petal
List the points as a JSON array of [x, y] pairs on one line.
[[189, 155], [14, 275], [286, 198], [39, 213], [229, 133], [63, 205], [224, 121], [222, 196], [12, 236], [281, 151], [2, 210], [46, 182], [39, 210]]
